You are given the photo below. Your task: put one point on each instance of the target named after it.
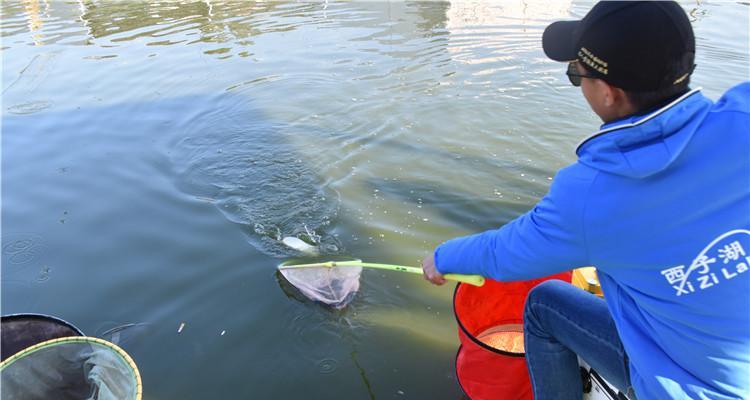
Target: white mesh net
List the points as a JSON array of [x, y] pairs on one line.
[[333, 286]]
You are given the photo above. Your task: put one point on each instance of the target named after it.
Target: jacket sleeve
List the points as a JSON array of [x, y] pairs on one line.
[[546, 240]]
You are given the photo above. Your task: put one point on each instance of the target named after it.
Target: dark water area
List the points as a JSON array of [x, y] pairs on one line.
[[153, 155]]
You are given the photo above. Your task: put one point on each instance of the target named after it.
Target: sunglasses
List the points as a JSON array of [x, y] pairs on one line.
[[574, 76]]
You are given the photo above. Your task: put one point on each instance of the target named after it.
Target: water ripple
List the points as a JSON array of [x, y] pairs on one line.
[[240, 158], [21, 249], [327, 366]]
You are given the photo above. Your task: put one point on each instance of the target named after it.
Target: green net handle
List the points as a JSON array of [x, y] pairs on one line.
[[476, 280]]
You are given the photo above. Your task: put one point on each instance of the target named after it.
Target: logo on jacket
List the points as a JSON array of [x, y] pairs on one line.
[[723, 259]]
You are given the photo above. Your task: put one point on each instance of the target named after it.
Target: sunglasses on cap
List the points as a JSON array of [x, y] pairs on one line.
[[574, 76]]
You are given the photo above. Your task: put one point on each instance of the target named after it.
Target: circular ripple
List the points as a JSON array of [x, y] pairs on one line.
[[44, 274], [30, 107], [21, 249], [327, 366]]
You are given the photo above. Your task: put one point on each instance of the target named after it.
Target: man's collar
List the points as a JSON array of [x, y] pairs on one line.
[[635, 119], [645, 112]]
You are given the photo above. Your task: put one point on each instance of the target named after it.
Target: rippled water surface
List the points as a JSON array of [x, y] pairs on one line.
[[153, 154]]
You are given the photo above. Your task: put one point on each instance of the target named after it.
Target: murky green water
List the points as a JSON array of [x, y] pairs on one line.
[[153, 154]]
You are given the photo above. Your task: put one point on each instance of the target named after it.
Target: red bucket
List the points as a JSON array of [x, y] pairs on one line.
[[491, 362]]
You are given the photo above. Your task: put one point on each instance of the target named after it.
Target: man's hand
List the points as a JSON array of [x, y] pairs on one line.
[[430, 272]]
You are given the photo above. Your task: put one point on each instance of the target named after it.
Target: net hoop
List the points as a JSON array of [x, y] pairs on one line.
[[82, 339]]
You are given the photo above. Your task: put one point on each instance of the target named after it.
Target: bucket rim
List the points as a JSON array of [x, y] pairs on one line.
[[42, 316], [473, 338]]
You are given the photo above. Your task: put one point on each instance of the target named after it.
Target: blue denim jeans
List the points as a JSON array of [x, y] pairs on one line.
[[560, 322]]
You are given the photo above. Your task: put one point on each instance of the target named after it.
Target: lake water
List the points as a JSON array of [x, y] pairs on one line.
[[154, 153]]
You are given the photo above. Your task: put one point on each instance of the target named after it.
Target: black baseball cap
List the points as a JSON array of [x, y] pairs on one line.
[[637, 46]]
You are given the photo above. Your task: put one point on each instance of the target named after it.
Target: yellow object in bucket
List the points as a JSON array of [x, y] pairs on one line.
[[586, 279]]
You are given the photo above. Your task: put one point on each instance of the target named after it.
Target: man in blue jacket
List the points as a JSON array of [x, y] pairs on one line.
[[658, 201]]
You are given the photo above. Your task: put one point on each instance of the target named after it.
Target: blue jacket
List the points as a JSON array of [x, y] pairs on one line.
[[660, 204]]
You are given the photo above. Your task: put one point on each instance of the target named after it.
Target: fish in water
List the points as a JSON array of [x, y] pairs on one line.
[[300, 245]]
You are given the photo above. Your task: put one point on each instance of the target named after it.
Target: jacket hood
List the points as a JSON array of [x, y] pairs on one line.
[[642, 146]]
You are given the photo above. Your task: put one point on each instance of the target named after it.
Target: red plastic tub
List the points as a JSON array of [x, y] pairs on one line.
[[493, 314]]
